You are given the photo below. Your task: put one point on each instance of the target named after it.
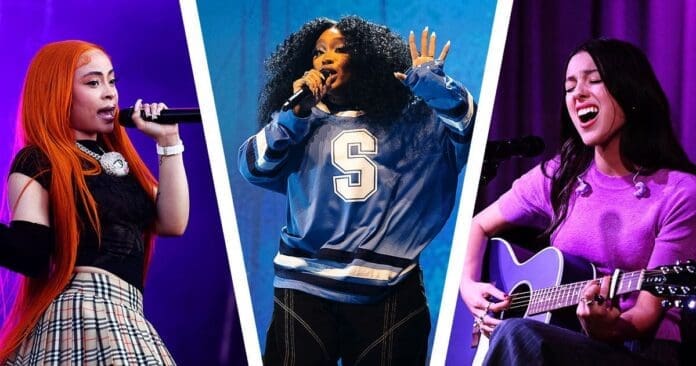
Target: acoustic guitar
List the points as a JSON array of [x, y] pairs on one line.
[[549, 285]]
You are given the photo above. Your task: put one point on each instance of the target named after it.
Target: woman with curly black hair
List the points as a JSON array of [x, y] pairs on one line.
[[369, 162]]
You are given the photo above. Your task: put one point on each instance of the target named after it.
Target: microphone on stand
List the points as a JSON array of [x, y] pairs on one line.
[[499, 151], [168, 116], [526, 147], [302, 93]]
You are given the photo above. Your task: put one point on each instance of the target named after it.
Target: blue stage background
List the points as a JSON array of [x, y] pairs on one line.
[[188, 295], [240, 35]]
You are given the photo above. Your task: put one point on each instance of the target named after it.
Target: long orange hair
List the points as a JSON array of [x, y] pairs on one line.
[[45, 124]]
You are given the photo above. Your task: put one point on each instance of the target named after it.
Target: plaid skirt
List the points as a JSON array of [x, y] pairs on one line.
[[97, 320]]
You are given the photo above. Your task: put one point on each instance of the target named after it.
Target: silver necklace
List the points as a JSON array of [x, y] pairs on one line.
[[112, 162]]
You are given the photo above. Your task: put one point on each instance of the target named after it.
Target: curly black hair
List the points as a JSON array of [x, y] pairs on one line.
[[375, 54]]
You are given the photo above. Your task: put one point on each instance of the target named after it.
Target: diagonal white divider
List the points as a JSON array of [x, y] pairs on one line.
[[221, 182], [460, 238]]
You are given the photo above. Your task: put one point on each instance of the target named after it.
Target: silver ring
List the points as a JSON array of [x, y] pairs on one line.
[[488, 307], [599, 299], [588, 302]]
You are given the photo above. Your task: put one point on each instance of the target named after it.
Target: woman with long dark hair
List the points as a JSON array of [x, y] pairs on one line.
[[621, 194], [85, 210], [369, 164]]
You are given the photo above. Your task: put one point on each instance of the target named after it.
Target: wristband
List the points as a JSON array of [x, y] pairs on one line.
[[170, 150]]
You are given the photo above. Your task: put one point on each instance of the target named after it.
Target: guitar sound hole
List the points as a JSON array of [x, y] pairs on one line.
[[520, 301]]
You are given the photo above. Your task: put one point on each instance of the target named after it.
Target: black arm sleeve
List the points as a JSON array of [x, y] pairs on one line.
[[26, 247]]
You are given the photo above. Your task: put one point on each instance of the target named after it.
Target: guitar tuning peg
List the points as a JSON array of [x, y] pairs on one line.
[[688, 303], [673, 290], [660, 290]]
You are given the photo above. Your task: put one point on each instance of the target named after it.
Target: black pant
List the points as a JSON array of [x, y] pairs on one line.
[[309, 330]]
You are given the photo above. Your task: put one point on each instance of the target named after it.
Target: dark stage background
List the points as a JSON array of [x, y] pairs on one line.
[[541, 35], [188, 295]]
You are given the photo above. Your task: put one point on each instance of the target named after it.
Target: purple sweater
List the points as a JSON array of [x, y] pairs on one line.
[[611, 227]]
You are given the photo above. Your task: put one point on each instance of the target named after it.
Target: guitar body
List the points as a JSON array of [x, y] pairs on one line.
[[551, 280], [547, 268]]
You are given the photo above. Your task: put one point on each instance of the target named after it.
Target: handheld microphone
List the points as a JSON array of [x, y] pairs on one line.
[[166, 117], [527, 147], [301, 94]]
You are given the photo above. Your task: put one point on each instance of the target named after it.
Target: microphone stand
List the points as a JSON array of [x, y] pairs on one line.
[[489, 170]]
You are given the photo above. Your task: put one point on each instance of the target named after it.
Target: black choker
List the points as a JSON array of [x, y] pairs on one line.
[[333, 107]]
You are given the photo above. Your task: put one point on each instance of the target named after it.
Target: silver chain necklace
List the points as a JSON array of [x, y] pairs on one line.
[[112, 162]]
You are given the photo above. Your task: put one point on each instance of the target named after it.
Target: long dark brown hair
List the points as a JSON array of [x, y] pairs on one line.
[[647, 137]]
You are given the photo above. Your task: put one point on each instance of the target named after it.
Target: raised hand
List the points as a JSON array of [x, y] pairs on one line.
[[427, 51]]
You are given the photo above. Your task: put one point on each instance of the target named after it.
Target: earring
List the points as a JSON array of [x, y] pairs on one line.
[[583, 188], [641, 188]]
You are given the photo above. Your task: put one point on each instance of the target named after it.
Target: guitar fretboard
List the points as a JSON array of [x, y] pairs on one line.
[[557, 297]]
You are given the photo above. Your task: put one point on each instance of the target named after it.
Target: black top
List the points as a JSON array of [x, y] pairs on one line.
[[125, 210]]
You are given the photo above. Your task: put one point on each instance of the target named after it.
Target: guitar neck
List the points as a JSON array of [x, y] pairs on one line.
[[558, 297]]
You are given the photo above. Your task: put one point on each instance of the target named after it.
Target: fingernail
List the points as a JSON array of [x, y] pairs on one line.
[[448, 43], [426, 28], [411, 32], [432, 35]]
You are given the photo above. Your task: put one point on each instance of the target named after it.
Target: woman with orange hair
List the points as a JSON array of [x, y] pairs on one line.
[[85, 209]]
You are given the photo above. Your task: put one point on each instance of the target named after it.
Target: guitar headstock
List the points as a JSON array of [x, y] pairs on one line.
[[675, 283], [688, 303]]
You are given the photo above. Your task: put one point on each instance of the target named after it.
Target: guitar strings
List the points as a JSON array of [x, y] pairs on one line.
[[564, 292], [560, 288], [522, 299]]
